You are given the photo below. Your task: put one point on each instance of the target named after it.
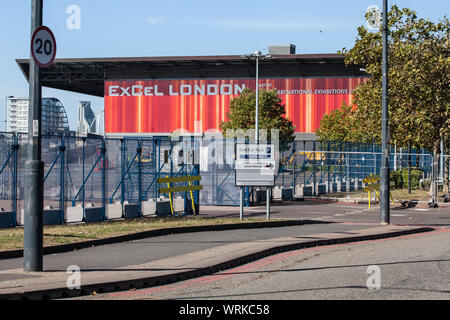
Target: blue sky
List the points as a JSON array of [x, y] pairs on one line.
[[132, 28]]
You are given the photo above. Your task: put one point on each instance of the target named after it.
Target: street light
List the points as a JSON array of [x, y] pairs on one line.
[[250, 57], [384, 171], [34, 166]]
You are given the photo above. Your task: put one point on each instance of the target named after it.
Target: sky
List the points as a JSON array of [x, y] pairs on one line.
[[139, 28]]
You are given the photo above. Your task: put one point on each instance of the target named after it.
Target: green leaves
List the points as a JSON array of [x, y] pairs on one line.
[[338, 125], [272, 114], [419, 83]]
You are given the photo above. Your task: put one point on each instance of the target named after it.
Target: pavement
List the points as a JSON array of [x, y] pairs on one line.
[[332, 211], [159, 260]]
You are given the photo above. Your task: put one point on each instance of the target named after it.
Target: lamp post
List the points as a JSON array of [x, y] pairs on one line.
[[384, 171], [257, 55], [34, 166]]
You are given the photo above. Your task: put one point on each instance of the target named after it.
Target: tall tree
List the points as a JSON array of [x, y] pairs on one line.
[[419, 81], [272, 114], [339, 125]]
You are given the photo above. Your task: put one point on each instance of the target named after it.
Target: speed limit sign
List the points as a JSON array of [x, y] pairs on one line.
[[43, 46]]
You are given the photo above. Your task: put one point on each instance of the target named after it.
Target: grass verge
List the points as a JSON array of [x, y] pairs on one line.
[[63, 234]]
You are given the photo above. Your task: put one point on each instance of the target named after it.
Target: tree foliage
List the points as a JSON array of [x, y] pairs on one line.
[[339, 125], [419, 83], [272, 114]]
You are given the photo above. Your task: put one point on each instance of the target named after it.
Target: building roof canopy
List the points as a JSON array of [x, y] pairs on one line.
[[87, 75]]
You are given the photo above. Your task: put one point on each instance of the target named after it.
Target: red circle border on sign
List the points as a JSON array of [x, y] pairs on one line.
[[40, 28]]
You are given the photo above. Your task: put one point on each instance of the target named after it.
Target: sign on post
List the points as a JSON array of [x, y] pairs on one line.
[[43, 46], [255, 165]]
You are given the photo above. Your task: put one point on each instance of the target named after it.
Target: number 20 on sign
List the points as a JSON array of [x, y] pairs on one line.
[[43, 46]]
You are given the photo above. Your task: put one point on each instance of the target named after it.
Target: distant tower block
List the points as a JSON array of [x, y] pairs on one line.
[[86, 118]]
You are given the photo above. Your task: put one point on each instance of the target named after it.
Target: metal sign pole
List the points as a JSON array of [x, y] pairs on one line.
[[257, 100], [384, 171], [34, 167], [254, 167], [241, 203]]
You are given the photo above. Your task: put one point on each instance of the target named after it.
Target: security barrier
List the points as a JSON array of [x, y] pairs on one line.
[[94, 178], [374, 185], [173, 189]]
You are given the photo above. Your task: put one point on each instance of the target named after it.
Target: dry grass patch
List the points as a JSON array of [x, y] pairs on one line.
[[64, 234]]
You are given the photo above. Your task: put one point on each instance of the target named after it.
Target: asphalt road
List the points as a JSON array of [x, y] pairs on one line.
[[410, 267], [123, 254], [322, 210]]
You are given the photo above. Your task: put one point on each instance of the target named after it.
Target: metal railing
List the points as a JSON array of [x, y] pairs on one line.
[[88, 178]]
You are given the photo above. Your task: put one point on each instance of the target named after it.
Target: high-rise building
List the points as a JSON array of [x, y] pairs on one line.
[[53, 117], [86, 118]]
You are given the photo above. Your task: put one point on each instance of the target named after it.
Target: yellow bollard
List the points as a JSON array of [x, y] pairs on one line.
[[170, 197], [192, 198]]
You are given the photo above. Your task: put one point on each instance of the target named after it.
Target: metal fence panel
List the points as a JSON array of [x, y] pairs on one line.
[[91, 173], [8, 179]]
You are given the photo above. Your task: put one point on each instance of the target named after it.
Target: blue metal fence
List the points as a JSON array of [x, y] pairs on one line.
[[318, 163], [95, 178], [8, 174]]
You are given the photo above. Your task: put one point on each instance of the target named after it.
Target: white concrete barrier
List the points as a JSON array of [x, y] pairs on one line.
[[73, 214], [148, 207], [298, 191], [277, 193], [178, 204], [20, 218], [113, 210]]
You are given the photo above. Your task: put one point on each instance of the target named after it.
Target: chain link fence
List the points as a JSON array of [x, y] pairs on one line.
[[95, 178]]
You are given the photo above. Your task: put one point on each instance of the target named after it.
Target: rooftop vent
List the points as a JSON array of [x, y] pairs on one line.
[[282, 49]]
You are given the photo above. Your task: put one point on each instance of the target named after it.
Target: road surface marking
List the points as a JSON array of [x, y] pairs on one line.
[[258, 264]]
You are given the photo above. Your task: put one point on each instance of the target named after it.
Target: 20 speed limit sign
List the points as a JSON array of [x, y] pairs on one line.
[[43, 46]]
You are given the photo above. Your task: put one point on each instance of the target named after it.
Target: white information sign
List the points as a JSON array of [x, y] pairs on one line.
[[255, 165]]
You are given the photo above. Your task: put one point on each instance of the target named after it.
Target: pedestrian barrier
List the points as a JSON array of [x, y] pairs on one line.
[[374, 185], [93, 178], [173, 189]]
